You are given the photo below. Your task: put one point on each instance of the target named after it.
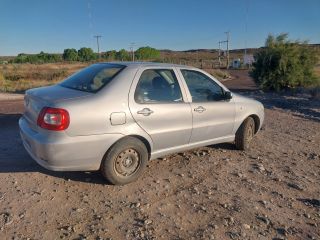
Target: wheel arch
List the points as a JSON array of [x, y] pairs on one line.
[[142, 139], [145, 142], [256, 120]]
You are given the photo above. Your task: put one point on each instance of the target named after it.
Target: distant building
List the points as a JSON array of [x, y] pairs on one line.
[[248, 59], [236, 63]]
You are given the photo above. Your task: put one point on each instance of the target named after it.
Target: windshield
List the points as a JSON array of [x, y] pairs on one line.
[[92, 78]]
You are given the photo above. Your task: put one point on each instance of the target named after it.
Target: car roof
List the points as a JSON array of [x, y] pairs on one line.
[[147, 64]]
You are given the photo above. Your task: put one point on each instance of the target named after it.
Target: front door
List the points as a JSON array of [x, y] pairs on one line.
[[157, 105], [213, 114]]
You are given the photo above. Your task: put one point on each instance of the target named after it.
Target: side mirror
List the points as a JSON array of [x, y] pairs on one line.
[[228, 95]]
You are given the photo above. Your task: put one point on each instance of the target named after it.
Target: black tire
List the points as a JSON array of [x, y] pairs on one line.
[[125, 161], [245, 134]]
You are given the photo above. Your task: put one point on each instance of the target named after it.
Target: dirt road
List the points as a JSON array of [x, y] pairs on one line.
[[271, 191]]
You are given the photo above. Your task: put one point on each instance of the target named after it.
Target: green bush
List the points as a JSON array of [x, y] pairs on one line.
[[283, 64], [86, 54], [37, 58], [109, 55], [70, 54], [122, 55], [145, 53]]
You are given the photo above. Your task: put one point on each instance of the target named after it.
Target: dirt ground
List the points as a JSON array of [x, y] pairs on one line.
[[272, 191]]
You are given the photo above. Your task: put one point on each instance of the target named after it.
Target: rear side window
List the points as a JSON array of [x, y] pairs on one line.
[[92, 78], [158, 86], [201, 87]]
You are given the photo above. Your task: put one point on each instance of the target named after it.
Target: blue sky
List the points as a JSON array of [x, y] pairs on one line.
[[51, 26]]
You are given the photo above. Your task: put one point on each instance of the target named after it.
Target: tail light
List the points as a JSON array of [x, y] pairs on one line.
[[56, 119]]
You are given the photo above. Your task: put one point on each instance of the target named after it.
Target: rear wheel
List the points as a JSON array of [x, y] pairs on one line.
[[125, 161], [245, 134]]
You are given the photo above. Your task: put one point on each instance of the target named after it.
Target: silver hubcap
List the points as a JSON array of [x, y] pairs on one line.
[[127, 162]]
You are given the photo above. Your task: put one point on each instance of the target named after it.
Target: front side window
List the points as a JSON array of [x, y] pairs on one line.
[[156, 86], [201, 87], [92, 78]]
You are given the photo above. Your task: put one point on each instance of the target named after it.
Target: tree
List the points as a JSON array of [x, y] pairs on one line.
[[112, 54], [122, 55], [283, 64], [109, 55], [145, 53], [86, 54], [70, 54]]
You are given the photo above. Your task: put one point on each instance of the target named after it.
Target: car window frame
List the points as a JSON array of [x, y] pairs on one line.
[[224, 89], [176, 74]]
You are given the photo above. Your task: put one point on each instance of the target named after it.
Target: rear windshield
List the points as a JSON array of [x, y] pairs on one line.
[[92, 78]]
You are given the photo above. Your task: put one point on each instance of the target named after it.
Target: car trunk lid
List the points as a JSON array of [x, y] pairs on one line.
[[36, 99]]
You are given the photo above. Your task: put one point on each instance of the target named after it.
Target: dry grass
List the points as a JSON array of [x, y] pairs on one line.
[[200, 59], [219, 74], [20, 77], [317, 70]]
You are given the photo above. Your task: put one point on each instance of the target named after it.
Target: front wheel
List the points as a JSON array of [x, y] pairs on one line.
[[125, 161], [245, 134]]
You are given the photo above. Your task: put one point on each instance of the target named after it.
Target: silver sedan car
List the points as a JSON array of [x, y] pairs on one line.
[[114, 117]]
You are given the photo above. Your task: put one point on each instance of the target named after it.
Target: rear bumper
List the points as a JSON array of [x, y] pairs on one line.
[[59, 152]]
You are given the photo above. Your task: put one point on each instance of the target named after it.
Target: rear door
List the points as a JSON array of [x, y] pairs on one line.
[[213, 114], [157, 103]]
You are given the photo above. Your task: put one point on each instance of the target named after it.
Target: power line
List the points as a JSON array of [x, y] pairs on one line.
[[132, 50], [227, 42], [98, 37], [246, 31]]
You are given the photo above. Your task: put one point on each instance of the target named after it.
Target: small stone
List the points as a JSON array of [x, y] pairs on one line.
[[260, 167], [240, 175], [263, 202], [264, 219], [307, 215], [203, 208], [246, 226], [295, 186], [137, 204], [147, 222]]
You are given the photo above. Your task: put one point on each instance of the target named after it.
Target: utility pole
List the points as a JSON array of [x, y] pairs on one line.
[[219, 54], [132, 50], [98, 37], [228, 39]]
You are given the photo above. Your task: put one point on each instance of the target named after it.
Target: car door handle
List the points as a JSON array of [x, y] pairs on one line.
[[145, 112], [199, 109]]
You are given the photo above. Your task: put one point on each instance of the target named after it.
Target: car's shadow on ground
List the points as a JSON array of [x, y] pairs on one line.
[[224, 146], [14, 158]]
